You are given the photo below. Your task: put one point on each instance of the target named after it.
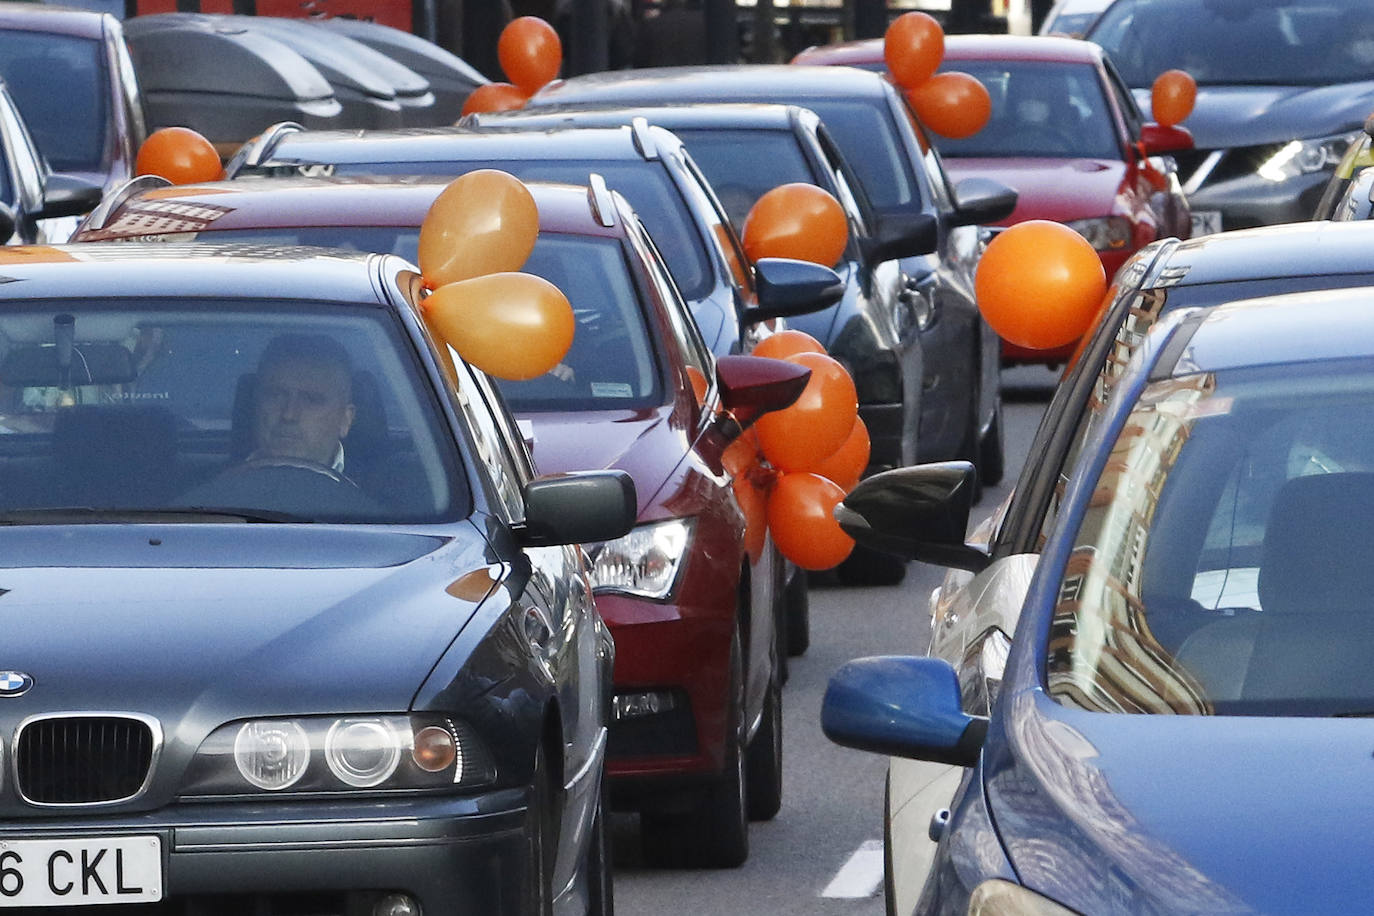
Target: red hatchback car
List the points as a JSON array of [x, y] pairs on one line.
[[695, 740], [1066, 134]]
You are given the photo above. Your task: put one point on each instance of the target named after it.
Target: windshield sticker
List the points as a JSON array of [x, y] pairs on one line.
[[611, 390]]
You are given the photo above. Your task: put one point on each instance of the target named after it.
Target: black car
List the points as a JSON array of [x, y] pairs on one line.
[[1283, 87], [901, 174], [292, 625]]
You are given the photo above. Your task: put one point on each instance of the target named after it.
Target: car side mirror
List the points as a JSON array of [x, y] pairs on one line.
[[917, 513], [7, 223], [981, 200], [579, 507], [1156, 139], [902, 706], [65, 195], [785, 287], [751, 386], [898, 233]]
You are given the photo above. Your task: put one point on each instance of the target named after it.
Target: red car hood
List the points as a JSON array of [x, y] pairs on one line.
[[1058, 189], [643, 443]]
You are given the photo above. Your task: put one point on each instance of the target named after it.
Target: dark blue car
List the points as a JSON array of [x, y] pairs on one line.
[[1180, 717]]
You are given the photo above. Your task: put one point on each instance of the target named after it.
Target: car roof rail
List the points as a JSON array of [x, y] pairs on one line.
[[254, 152], [599, 197], [644, 139], [100, 216]]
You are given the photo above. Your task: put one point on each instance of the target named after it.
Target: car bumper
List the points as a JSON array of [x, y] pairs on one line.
[[1254, 201], [668, 651], [451, 854]]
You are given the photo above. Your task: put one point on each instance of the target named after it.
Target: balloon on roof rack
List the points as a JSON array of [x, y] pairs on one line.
[[180, 155], [494, 97]]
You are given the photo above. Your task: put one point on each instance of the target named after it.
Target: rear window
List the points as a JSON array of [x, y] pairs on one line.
[[59, 84]]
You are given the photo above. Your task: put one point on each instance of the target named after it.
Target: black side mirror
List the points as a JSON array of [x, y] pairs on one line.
[[65, 195], [982, 200], [579, 507], [901, 234], [787, 287], [917, 513], [7, 223]]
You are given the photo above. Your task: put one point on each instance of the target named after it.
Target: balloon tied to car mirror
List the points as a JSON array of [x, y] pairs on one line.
[[473, 241], [953, 104]]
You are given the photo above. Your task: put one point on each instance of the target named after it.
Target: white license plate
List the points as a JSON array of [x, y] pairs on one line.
[[126, 869], [1205, 222]]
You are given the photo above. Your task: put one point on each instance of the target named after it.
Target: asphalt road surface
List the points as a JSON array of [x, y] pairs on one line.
[[822, 854]]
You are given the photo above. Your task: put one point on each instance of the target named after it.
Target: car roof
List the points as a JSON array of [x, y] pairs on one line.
[[159, 270], [346, 201], [741, 82], [431, 144], [723, 115], [965, 47], [1298, 327], [60, 20], [1287, 250]]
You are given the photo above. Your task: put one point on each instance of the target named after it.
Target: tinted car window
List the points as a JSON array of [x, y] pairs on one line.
[[649, 190], [1240, 41], [1206, 574], [60, 88], [1039, 109], [147, 405], [737, 177], [869, 140]]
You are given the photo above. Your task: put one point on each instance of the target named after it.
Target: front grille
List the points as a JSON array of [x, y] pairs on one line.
[[82, 760]]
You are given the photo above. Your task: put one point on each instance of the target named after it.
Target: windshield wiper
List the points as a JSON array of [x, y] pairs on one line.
[[79, 515]]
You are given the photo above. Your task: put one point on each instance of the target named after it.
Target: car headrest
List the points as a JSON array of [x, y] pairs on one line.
[[1318, 554]]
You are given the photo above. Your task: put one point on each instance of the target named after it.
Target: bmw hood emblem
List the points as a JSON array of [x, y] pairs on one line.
[[14, 683]]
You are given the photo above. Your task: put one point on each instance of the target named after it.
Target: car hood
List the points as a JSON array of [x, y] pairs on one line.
[[1185, 814], [1057, 189], [646, 444], [1227, 116], [212, 622]]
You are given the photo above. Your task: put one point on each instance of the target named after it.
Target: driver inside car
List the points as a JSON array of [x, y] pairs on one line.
[[304, 401]]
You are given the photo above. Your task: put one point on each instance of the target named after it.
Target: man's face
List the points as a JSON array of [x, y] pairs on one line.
[[304, 410]]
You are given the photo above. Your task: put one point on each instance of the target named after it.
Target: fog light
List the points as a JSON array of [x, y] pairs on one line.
[[644, 703], [397, 905]]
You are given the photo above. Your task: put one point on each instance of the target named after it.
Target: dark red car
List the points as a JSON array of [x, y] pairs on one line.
[[1066, 133], [695, 738]]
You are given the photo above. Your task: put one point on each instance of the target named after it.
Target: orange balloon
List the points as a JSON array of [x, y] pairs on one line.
[[1172, 97], [801, 515], [849, 462], [787, 343], [1039, 284], [796, 220], [484, 222], [530, 53], [510, 325], [494, 97], [952, 104], [699, 386], [753, 503], [180, 155], [800, 437], [913, 46]]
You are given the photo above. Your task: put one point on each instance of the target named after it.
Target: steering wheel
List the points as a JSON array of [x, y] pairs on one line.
[[294, 485], [302, 464]]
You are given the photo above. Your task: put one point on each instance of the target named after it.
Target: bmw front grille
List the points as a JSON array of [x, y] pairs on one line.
[[84, 759]]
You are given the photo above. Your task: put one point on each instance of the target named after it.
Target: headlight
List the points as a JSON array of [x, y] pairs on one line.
[[1002, 898], [313, 754], [1104, 233], [1303, 157], [644, 562]]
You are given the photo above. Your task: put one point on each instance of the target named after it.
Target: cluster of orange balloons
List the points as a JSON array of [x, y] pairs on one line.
[[530, 54], [475, 237], [953, 104], [179, 154]]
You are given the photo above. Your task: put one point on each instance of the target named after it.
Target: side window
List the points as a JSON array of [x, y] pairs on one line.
[[686, 336], [1125, 101], [852, 198], [491, 442], [727, 241], [24, 157]]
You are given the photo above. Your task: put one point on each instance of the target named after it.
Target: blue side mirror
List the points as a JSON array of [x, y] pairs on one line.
[[902, 706]]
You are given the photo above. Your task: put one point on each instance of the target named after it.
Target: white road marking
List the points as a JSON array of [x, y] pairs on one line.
[[861, 876]]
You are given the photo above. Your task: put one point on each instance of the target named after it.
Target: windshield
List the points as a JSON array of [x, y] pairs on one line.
[[277, 409], [1260, 42], [1225, 566], [59, 85], [646, 185], [611, 364], [867, 136], [1039, 109], [730, 159]]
